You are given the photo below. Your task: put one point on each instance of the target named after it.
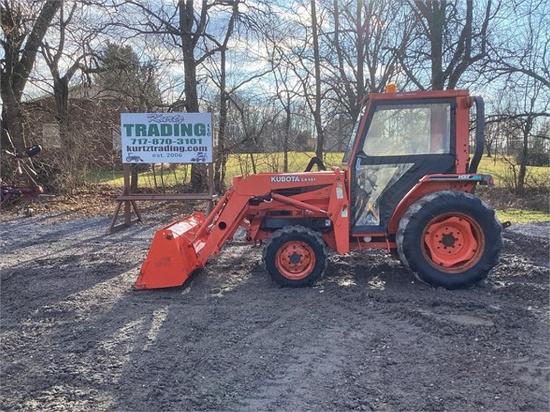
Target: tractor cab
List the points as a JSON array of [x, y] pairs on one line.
[[400, 139]]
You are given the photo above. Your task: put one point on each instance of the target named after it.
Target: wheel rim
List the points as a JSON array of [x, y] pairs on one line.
[[295, 260], [453, 243]]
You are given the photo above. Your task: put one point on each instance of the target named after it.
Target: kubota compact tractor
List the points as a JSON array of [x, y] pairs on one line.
[[406, 185]]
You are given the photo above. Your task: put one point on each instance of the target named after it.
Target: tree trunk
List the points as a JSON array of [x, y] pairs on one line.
[[18, 63], [286, 136], [69, 156], [524, 156], [12, 123], [188, 37], [219, 174], [437, 23], [317, 70]]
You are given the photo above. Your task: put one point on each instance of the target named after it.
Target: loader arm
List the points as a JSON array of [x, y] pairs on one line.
[[184, 246]]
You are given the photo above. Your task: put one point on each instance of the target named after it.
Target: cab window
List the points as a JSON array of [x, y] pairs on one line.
[[397, 130]]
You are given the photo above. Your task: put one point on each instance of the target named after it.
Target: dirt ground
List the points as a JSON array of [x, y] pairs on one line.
[[75, 336]]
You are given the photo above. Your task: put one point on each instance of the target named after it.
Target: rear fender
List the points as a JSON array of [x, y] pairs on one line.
[[435, 183]]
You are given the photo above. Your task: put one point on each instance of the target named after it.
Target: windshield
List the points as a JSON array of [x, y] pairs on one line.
[[403, 129]]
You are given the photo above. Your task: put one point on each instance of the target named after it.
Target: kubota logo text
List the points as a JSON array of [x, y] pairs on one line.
[[284, 179]]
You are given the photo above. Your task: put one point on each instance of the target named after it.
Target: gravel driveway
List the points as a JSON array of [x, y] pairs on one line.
[[75, 336]]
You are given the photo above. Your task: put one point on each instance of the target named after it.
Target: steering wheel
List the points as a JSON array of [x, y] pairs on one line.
[[315, 161]]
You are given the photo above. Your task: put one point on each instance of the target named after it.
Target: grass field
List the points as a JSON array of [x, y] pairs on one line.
[[522, 216], [503, 173], [241, 164]]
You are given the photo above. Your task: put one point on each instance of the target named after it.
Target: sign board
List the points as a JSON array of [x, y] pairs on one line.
[[50, 136], [166, 137]]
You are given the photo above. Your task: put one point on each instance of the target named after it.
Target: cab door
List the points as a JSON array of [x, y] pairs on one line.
[[402, 141]]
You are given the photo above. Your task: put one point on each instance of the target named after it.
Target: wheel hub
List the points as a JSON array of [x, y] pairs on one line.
[[448, 240], [451, 242], [295, 260]]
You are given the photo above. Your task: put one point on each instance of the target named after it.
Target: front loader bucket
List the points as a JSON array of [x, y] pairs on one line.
[[173, 255]]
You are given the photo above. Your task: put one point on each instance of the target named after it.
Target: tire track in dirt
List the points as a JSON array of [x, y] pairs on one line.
[[367, 337]]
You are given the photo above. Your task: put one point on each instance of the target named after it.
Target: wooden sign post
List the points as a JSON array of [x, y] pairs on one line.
[[181, 138], [129, 199]]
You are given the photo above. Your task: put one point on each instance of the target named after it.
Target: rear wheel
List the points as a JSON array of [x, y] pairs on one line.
[[449, 239], [295, 256]]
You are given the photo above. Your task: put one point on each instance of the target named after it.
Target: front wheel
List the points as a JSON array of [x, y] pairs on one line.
[[449, 239], [295, 256]]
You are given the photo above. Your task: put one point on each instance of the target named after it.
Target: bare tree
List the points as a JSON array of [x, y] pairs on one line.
[[519, 65], [338, 51], [255, 120], [317, 96], [297, 47], [362, 47], [525, 49], [64, 62], [239, 27], [287, 88], [286, 95], [450, 38], [527, 114], [23, 29], [222, 152], [187, 27]]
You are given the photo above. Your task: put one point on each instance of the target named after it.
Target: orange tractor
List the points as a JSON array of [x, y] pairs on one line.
[[406, 185]]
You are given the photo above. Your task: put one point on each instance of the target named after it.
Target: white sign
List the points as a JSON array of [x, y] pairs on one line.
[[166, 137]]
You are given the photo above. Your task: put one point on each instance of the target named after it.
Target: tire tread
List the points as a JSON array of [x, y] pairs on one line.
[[290, 231], [448, 199]]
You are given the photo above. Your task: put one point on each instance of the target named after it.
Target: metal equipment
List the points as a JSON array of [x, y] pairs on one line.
[[23, 185], [406, 185]]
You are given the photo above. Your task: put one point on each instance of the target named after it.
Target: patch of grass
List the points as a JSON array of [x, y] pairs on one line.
[[522, 216], [105, 177], [238, 164], [505, 174], [241, 164], [531, 208]]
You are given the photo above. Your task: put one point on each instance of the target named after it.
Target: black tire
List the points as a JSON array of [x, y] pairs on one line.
[[295, 256], [449, 239]]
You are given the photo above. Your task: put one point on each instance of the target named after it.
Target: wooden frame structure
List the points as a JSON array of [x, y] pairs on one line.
[[129, 199]]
